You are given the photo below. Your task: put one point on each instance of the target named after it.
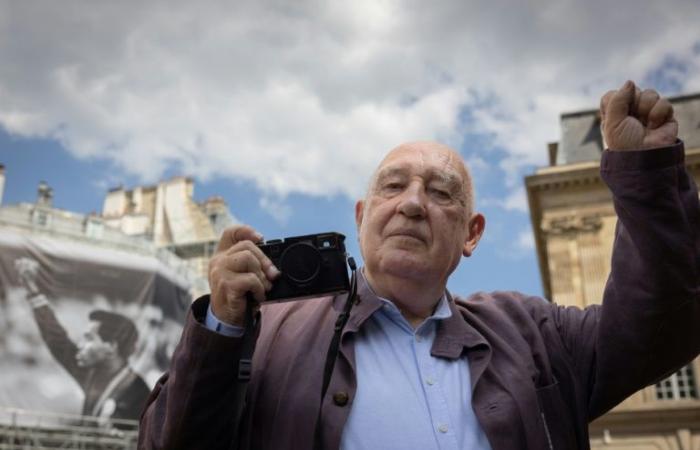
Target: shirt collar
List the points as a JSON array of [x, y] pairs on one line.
[[453, 333], [392, 312]]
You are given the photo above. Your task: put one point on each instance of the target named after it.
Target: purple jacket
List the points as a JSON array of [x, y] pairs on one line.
[[539, 372]]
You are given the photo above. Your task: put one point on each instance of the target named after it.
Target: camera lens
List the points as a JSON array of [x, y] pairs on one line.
[[300, 263]]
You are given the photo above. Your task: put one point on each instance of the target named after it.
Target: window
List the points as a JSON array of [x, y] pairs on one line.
[[679, 386], [94, 229], [41, 218]]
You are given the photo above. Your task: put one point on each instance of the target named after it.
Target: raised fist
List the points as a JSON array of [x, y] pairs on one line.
[[28, 271], [635, 120]]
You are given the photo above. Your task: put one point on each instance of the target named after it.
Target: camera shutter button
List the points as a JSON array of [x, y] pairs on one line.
[[341, 398]]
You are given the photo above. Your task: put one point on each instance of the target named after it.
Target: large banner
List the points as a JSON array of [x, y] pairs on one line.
[[84, 329]]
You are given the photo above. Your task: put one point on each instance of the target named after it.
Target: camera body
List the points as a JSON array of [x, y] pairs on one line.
[[311, 265]]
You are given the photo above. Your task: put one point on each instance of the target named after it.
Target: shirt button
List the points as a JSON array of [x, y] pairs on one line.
[[442, 428], [430, 381], [341, 398], [418, 338]]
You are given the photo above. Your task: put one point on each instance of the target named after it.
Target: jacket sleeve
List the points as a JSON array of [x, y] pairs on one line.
[[649, 322], [192, 406], [60, 345]]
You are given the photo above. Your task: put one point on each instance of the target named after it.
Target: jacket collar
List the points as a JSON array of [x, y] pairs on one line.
[[455, 334], [452, 336], [366, 304]]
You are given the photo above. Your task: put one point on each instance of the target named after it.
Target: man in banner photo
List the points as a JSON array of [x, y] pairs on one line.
[[99, 360]]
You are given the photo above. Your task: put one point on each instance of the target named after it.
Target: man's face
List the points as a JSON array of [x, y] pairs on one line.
[[415, 222], [92, 350]]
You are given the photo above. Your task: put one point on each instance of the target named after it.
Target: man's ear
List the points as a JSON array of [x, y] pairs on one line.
[[359, 211], [476, 225], [111, 349]]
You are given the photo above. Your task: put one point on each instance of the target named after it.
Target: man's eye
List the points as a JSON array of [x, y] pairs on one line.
[[394, 186], [441, 194]]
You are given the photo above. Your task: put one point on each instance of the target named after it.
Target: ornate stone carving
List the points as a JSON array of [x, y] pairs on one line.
[[571, 224]]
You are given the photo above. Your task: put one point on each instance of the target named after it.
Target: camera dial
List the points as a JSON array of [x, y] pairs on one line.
[[300, 263]]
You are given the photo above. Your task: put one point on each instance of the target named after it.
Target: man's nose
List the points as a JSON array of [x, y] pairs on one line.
[[413, 201]]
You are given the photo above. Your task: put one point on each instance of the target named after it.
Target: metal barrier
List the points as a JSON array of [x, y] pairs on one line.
[[32, 430]]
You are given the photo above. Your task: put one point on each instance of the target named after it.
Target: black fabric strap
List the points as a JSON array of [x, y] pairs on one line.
[[245, 367], [245, 364]]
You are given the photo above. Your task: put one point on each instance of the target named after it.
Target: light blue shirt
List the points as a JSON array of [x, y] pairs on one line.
[[214, 324], [406, 398]]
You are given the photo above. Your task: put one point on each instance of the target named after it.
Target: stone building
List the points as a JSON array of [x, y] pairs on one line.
[[42, 219], [167, 215], [574, 221], [2, 181]]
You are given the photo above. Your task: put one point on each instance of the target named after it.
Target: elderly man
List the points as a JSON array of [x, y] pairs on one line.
[[419, 369]]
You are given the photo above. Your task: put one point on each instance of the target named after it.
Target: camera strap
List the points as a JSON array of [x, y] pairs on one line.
[[245, 364], [241, 438], [333, 348]]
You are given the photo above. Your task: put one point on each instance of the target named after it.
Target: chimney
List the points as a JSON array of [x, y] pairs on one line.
[[44, 195], [2, 181], [553, 148]]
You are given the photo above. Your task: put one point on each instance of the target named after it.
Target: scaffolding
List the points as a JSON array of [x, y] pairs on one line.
[[32, 430]]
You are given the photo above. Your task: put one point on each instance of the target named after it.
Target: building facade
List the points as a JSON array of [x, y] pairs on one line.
[[167, 215], [2, 181], [573, 221]]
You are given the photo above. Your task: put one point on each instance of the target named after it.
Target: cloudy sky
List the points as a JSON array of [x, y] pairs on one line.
[[285, 107]]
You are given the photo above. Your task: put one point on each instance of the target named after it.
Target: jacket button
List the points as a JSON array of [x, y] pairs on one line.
[[340, 398]]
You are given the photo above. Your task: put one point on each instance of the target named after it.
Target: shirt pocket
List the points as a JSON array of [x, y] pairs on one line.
[[556, 418]]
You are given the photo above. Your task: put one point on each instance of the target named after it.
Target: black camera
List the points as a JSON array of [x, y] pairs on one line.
[[311, 266]]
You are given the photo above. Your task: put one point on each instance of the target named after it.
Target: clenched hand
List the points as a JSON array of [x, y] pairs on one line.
[[634, 119]]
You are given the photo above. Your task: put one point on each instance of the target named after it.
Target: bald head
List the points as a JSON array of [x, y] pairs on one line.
[[453, 169]]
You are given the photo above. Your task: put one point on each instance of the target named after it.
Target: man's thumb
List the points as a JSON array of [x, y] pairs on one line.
[[619, 105]]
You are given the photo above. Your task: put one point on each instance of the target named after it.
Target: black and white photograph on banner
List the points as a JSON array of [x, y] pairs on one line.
[[84, 330]]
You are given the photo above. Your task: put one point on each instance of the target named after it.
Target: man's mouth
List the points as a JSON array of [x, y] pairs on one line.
[[408, 233]]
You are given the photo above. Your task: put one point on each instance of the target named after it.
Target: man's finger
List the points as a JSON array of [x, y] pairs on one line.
[[647, 101], [245, 283], [634, 107], [266, 264], [235, 288], [660, 113], [235, 234], [604, 100], [242, 261], [246, 262], [618, 106]]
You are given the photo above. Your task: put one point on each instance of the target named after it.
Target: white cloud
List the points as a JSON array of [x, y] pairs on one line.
[[305, 97], [516, 200], [277, 208], [525, 241]]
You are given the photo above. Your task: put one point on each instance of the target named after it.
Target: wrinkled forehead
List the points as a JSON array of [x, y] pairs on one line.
[[427, 156]]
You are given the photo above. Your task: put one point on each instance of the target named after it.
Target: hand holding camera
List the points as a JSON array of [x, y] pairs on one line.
[[238, 267], [310, 265]]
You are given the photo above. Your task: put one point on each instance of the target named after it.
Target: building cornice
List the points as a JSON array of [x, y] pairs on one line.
[[650, 417], [555, 179]]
